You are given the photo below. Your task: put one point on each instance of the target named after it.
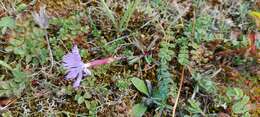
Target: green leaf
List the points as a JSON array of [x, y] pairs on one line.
[[127, 14], [7, 22], [2, 63], [183, 56], [235, 93], [87, 95], [6, 114], [19, 76], [139, 109], [122, 84], [87, 104], [69, 90], [13, 84], [149, 59], [166, 86], [2, 77], [108, 12], [5, 86], [205, 83], [240, 107], [140, 85], [81, 100], [19, 51], [194, 106], [257, 43], [21, 7], [246, 114]]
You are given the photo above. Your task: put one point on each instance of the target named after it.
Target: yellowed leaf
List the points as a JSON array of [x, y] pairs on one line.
[[256, 16]]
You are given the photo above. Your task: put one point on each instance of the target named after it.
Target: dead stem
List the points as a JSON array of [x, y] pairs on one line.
[[178, 95], [50, 51], [11, 101]]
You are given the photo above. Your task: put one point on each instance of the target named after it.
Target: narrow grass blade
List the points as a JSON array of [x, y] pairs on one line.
[[128, 14], [108, 12]]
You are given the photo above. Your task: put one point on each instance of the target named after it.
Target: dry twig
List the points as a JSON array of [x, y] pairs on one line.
[[179, 92]]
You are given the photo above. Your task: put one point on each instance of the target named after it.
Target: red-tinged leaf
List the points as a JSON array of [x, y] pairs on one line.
[[247, 82], [34, 82], [252, 37], [252, 46], [253, 50]]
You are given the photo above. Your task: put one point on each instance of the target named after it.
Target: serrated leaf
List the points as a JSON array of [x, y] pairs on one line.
[[5, 86], [240, 107], [19, 76], [234, 92], [207, 85], [194, 106], [21, 7], [7, 22], [139, 109], [140, 85], [2, 63], [13, 84]]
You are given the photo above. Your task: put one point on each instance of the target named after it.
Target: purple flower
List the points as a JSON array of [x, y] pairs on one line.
[[76, 69]]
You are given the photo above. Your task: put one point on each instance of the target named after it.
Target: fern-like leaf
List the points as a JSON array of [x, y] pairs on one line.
[[165, 82]]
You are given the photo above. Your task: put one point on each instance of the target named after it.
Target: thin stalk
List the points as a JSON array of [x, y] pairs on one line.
[[50, 51], [178, 95]]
